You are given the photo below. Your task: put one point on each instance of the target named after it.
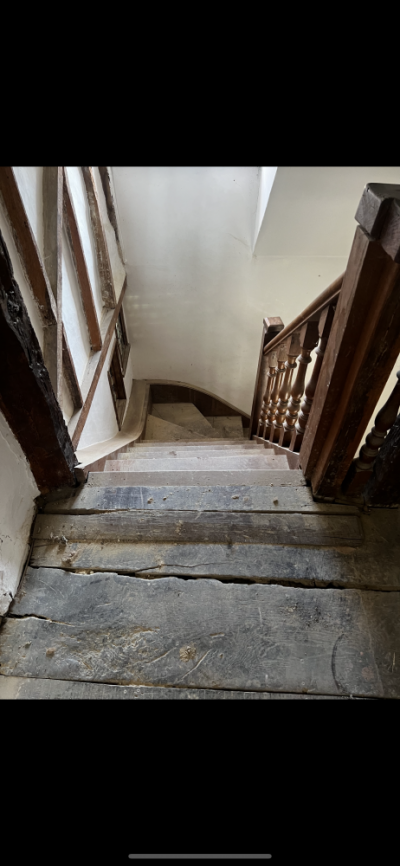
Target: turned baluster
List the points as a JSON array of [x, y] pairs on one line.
[[284, 393], [308, 341], [272, 362], [273, 404], [383, 422], [324, 328]]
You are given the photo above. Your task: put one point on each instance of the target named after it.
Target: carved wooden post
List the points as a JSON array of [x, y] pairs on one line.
[[363, 345], [324, 328], [308, 340], [280, 370], [272, 362], [293, 349], [360, 470], [271, 327]]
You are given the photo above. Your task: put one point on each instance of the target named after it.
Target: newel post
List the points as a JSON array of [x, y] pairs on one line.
[[363, 344]]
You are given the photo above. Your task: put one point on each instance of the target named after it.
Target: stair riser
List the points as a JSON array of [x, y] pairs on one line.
[[197, 464]]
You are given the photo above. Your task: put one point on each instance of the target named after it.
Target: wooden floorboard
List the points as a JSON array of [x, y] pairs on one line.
[[94, 500], [108, 628], [372, 566], [202, 527]]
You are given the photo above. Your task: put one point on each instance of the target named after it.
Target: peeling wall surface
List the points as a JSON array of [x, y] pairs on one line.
[[196, 294], [18, 490]]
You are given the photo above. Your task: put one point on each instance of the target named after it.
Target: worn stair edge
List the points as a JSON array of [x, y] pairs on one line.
[[202, 527], [197, 464], [248, 477], [232, 498], [33, 688], [370, 567]]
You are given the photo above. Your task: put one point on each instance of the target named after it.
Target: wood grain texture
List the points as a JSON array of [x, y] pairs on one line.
[[362, 348], [223, 527], [70, 374], [103, 258], [52, 254], [27, 246], [27, 398], [94, 371], [92, 500], [115, 629], [78, 258], [371, 566], [34, 689]]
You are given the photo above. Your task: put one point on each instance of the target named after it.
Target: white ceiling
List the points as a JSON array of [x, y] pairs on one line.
[[196, 294]]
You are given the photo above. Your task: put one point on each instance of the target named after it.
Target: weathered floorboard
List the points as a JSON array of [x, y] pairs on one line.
[[202, 634], [201, 478], [233, 498], [373, 566], [204, 527], [31, 688]]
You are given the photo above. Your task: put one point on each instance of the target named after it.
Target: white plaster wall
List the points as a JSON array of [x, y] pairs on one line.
[[267, 177], [101, 423], [21, 279], [18, 490], [73, 313], [196, 295], [30, 184], [118, 270], [79, 198]]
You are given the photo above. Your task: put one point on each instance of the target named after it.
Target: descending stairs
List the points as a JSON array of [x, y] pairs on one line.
[[198, 565]]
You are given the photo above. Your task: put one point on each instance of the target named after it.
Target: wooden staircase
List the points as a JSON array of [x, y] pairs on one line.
[[202, 568], [195, 562]]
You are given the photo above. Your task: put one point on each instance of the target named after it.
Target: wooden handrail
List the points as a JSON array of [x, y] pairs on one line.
[[316, 306]]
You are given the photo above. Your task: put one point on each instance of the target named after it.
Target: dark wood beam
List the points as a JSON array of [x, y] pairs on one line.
[[27, 246], [363, 344], [27, 398], [78, 257], [103, 258], [70, 375], [52, 252], [94, 370]]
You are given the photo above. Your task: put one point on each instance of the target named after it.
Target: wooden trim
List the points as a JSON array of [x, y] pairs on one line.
[[52, 252], [27, 246], [70, 375], [362, 349], [100, 361], [103, 258], [27, 398], [78, 257]]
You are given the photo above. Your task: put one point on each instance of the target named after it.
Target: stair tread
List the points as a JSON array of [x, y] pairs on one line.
[[176, 477], [196, 463]]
